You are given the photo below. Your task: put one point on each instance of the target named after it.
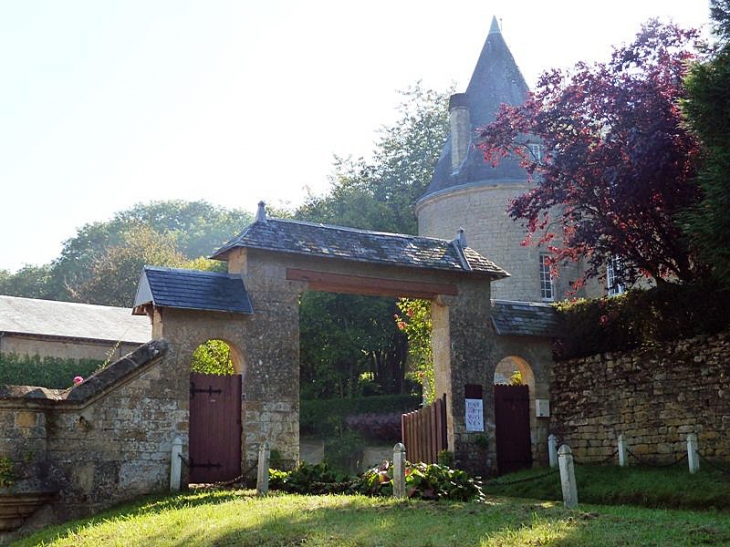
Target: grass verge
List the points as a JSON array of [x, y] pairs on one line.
[[222, 518]]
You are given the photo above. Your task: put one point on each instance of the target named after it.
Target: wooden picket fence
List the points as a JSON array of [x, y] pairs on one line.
[[424, 432]]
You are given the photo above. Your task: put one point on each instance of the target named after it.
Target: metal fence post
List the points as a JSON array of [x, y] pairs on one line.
[[567, 477], [553, 450], [176, 465], [623, 459], [262, 478], [693, 456], [399, 471]]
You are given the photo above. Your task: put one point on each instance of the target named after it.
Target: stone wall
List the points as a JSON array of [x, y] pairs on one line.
[[99, 443], [655, 396]]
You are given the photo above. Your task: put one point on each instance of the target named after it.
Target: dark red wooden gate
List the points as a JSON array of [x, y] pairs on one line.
[[512, 422], [215, 427]]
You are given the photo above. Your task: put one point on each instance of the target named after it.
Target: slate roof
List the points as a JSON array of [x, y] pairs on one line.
[[496, 80], [524, 318], [322, 240], [191, 289], [72, 320]]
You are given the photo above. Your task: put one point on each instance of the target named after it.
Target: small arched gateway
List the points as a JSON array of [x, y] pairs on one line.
[[254, 308], [522, 381]]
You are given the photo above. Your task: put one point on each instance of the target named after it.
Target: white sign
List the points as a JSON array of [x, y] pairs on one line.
[[474, 415]]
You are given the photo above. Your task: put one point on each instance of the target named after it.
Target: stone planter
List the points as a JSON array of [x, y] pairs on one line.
[[15, 508]]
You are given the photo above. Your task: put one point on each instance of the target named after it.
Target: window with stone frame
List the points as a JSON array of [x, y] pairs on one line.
[[613, 287], [547, 289]]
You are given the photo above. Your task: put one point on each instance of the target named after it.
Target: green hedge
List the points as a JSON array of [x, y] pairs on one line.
[[638, 317], [50, 372], [326, 417]]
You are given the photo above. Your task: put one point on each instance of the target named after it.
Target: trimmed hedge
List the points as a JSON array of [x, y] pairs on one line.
[[639, 317], [326, 417], [50, 372]]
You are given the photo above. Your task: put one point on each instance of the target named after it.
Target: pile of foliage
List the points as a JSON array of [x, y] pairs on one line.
[[50, 372], [423, 481], [639, 317]]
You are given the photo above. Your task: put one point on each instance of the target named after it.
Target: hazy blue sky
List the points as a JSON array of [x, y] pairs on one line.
[[104, 104]]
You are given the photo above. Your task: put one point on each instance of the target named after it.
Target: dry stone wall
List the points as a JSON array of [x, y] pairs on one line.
[[655, 396]]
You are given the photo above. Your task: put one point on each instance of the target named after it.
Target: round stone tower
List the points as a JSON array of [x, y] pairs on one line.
[[467, 192]]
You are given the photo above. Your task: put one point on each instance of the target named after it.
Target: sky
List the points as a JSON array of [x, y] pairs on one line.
[[106, 104]]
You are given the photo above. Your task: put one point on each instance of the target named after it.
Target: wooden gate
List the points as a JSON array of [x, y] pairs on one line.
[[215, 427], [424, 432], [512, 424]]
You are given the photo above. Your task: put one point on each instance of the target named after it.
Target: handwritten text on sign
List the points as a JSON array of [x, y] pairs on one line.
[[474, 415]]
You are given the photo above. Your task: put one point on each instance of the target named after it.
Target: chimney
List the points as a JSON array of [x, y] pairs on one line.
[[460, 123], [261, 212]]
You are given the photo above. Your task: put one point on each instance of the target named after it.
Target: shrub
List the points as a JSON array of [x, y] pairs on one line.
[[639, 317], [380, 427], [424, 481], [50, 372], [309, 479], [327, 417]]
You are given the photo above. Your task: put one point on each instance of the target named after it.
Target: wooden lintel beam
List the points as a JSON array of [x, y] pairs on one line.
[[371, 286]]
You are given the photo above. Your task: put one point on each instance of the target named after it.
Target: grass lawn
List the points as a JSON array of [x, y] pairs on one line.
[[237, 517]]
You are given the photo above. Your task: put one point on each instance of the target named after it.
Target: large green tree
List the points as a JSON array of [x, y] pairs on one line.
[[380, 193], [707, 108], [347, 339], [190, 229], [102, 262]]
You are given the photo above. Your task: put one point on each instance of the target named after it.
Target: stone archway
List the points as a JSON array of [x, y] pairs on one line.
[[255, 307]]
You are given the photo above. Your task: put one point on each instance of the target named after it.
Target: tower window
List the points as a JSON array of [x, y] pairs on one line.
[[547, 292], [535, 151], [613, 287]]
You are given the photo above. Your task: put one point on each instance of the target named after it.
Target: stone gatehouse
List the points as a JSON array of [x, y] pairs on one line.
[[110, 438]]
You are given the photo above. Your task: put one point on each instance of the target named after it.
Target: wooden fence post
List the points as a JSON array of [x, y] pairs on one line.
[[262, 478], [399, 471], [623, 454], [567, 477], [176, 465], [553, 450], [693, 456]]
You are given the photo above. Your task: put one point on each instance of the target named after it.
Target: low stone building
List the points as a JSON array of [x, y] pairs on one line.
[[69, 330]]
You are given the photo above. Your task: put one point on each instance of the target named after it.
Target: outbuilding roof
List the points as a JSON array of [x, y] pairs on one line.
[[192, 290], [524, 318], [72, 320], [327, 241]]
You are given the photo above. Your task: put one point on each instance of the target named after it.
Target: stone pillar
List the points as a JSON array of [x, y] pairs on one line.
[[692, 455], [623, 454], [271, 379], [567, 477], [463, 348], [553, 450], [176, 465], [262, 476], [399, 471]]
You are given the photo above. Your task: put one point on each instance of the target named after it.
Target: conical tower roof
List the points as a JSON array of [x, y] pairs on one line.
[[496, 80]]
